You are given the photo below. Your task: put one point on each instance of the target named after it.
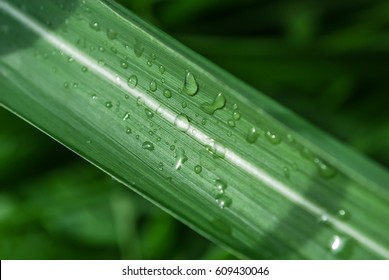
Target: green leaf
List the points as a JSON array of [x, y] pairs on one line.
[[213, 152]]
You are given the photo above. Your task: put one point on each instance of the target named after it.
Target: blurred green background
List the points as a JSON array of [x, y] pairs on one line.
[[326, 60]]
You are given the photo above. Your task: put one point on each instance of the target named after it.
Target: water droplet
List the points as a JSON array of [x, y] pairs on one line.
[[306, 153], [114, 50], [220, 187], [181, 158], [235, 106], [252, 135], [163, 80], [132, 81], [191, 86], [108, 104], [217, 150], [128, 130], [167, 93], [184, 104], [273, 138], [326, 171], [138, 48], [198, 169], [94, 96], [126, 116], [66, 85], [204, 121], [101, 62], [149, 63], [340, 246], [290, 138], [75, 85], [236, 115], [160, 166], [162, 69], [231, 123], [182, 122], [149, 114], [153, 85], [224, 201], [218, 103], [139, 101], [111, 34], [153, 56], [84, 69], [124, 64], [172, 147], [94, 25], [70, 59], [88, 141], [147, 145], [343, 214]]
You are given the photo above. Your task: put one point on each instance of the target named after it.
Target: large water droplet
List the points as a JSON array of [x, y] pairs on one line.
[[153, 85], [273, 138], [147, 145], [111, 34], [224, 202], [138, 48], [218, 103], [252, 135], [181, 158], [132, 81], [190, 84], [182, 122]]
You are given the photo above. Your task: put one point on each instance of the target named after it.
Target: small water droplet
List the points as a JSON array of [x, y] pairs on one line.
[[160, 166], [153, 85], [147, 145], [84, 69], [224, 202], [220, 187], [132, 81], [108, 104], [162, 69], [341, 246], [75, 85], [149, 114], [94, 25], [88, 141], [236, 115], [124, 64], [138, 48], [111, 34], [101, 62], [182, 122], [172, 147], [198, 169], [326, 171], [184, 104], [204, 121], [126, 116], [149, 63], [94, 96], [290, 138], [343, 214], [217, 150], [218, 103], [153, 56], [163, 80], [66, 85], [273, 138], [128, 130], [70, 59], [191, 86], [231, 123], [235, 106], [306, 153], [252, 135], [167, 93], [181, 158]]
